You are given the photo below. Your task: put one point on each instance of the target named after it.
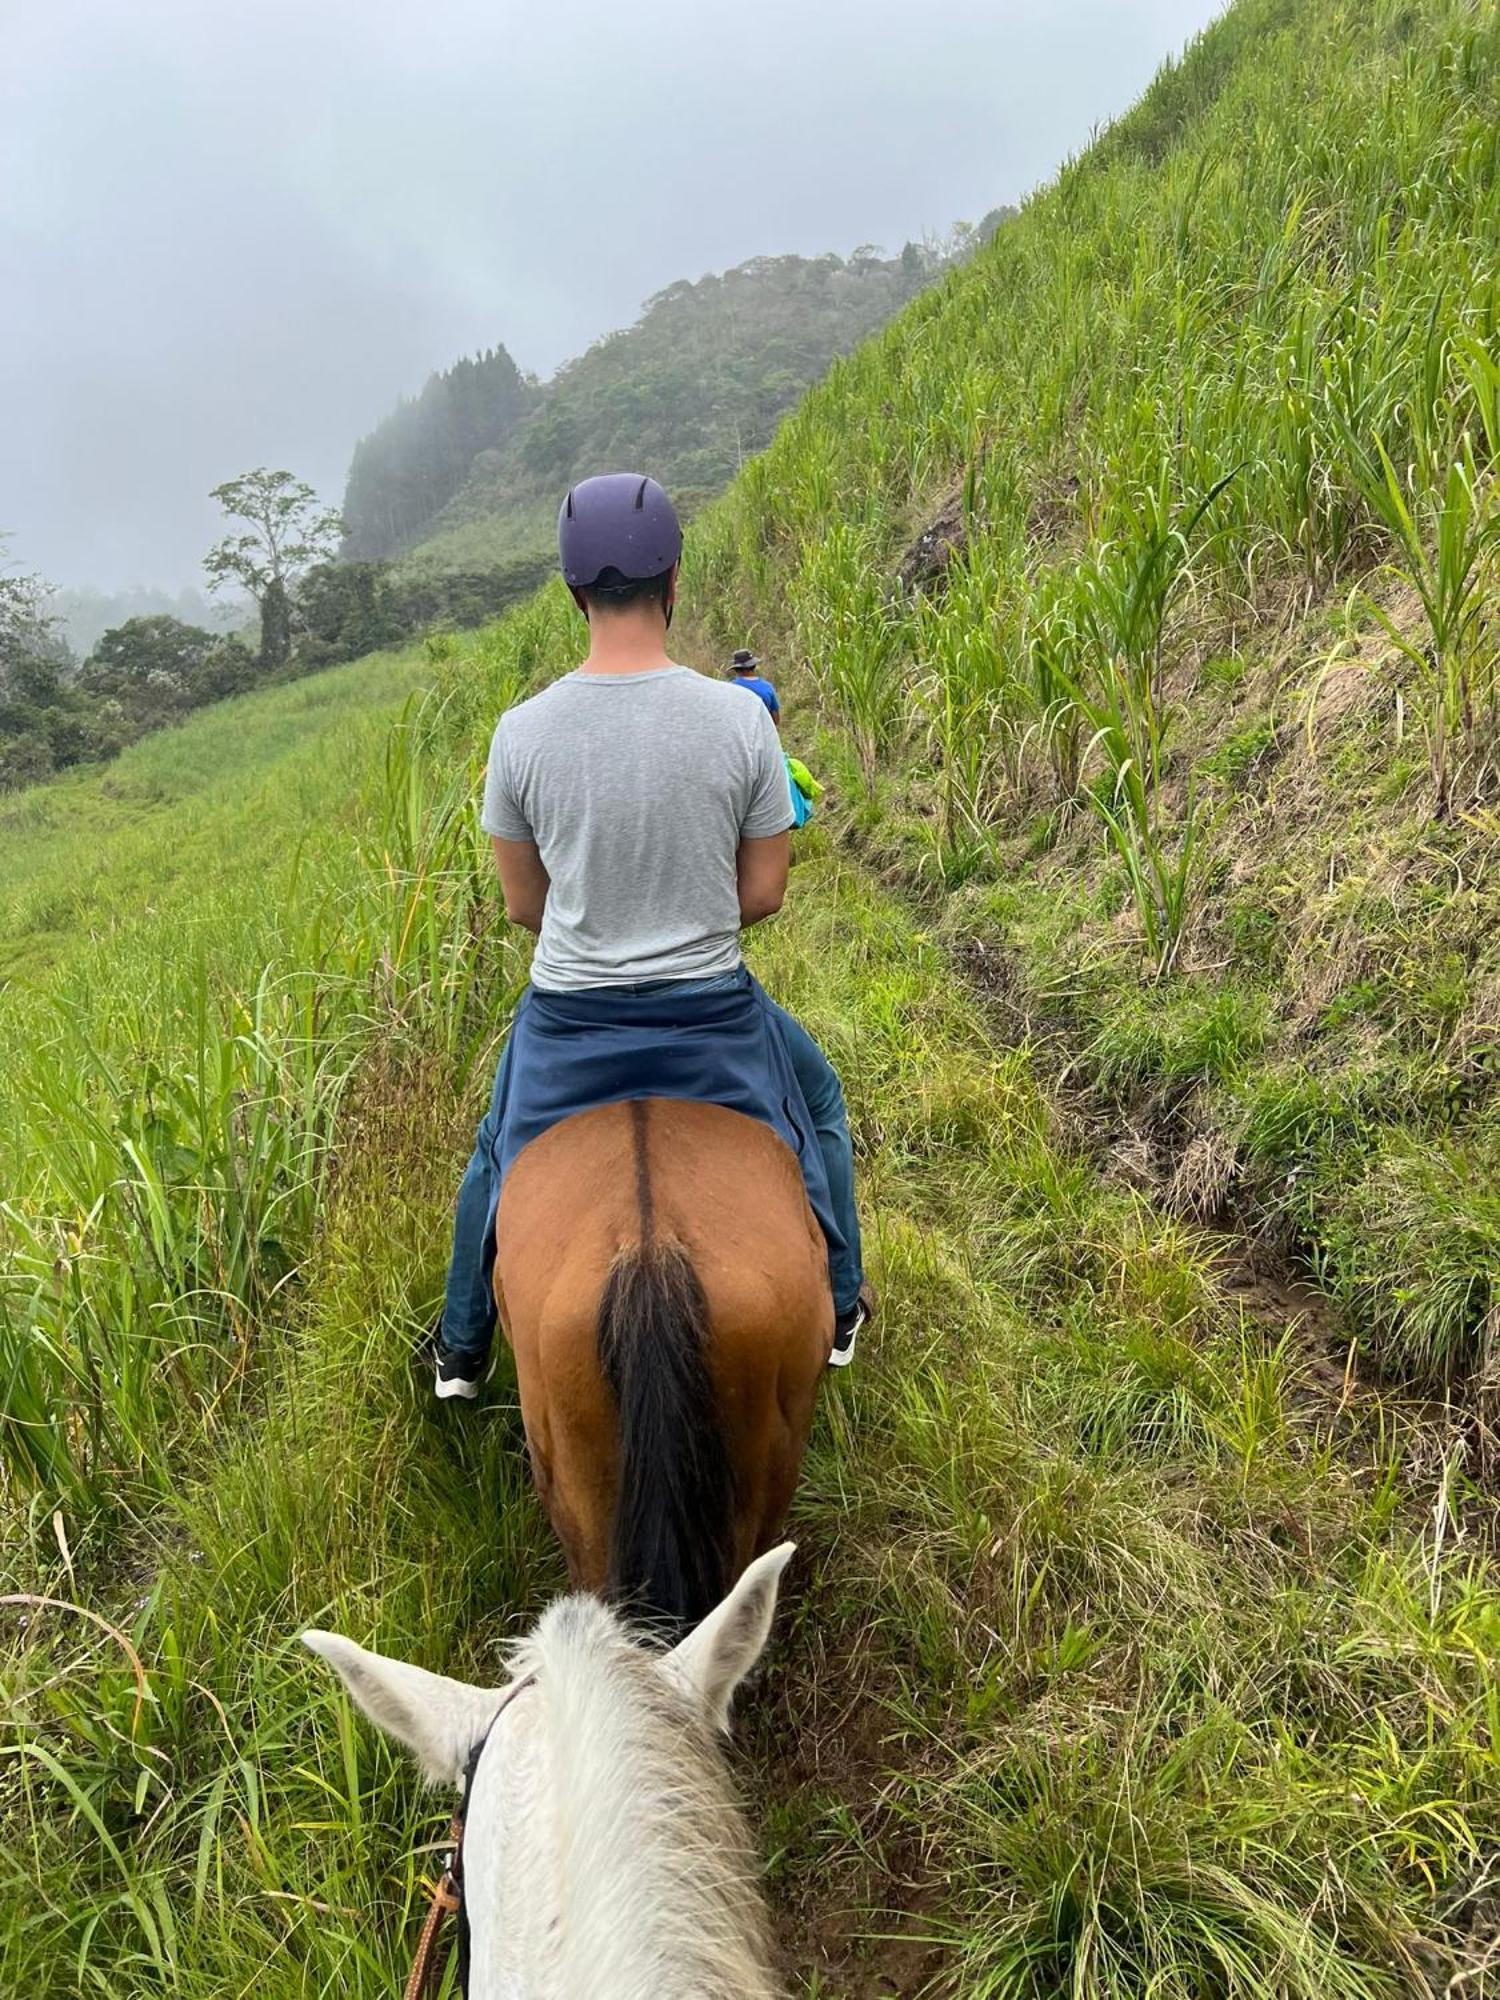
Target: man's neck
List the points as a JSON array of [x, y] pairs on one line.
[[626, 644]]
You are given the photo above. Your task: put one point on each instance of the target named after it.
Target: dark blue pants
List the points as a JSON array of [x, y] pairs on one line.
[[469, 1300]]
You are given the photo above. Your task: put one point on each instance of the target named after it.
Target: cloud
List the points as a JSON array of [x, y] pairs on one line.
[[233, 237]]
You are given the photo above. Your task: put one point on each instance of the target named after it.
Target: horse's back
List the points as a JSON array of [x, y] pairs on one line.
[[619, 1180], [721, 1185]]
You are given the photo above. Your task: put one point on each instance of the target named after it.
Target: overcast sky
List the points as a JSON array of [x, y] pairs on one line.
[[233, 235]]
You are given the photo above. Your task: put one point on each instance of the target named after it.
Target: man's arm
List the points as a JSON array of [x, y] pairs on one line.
[[524, 881], [760, 868]]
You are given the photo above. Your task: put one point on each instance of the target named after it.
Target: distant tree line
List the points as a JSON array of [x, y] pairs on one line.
[[411, 465], [152, 671], [694, 387], [42, 726], [84, 614]]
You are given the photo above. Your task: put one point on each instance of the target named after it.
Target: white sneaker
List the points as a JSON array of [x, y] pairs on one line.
[[457, 1375], [846, 1329]]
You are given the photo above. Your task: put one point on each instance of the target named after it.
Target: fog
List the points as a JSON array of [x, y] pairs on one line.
[[234, 237]]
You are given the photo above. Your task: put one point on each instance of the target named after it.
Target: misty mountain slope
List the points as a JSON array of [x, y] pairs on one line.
[[695, 387], [415, 460]]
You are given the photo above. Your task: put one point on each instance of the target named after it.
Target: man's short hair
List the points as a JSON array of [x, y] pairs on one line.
[[610, 591]]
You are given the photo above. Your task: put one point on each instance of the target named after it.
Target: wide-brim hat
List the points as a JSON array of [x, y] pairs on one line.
[[743, 658]]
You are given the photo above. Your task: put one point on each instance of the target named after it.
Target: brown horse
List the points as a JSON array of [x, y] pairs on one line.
[[664, 1286]]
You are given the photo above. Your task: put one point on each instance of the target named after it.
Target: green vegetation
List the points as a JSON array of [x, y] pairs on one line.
[[84, 616], [42, 723], [1139, 1652], [151, 672], [412, 464], [277, 531], [695, 387], [471, 468], [196, 823], [155, 669], [1070, 1528], [1149, 565]]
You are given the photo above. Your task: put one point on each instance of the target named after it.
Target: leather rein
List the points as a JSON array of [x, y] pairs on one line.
[[448, 1895]]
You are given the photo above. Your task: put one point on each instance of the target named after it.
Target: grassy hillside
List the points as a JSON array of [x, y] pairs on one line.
[[1137, 1649], [1073, 1522], [186, 814], [1148, 568]]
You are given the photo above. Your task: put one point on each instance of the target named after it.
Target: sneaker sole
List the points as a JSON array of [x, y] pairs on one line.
[[459, 1389], [840, 1357]]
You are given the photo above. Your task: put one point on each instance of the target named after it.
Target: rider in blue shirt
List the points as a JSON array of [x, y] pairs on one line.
[[804, 788], [742, 665]]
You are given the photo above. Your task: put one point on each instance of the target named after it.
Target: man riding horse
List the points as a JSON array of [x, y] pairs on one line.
[[639, 814]]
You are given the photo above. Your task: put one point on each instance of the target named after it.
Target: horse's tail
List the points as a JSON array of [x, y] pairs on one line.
[[670, 1556]]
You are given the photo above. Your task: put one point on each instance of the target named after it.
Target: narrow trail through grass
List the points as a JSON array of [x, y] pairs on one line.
[[1122, 1659], [1108, 1667]]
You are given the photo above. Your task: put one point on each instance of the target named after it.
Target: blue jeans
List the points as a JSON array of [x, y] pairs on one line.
[[469, 1300]]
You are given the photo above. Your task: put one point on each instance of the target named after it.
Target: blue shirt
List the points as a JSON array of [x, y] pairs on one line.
[[761, 687]]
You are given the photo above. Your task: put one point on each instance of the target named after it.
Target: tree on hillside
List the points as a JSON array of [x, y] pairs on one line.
[[27, 655], [286, 532], [413, 463], [345, 609], [85, 614], [41, 721], [152, 671]]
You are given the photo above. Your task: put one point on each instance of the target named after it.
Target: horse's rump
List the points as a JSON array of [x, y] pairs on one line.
[[664, 1284]]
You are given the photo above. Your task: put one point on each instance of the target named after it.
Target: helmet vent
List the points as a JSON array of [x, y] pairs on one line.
[[640, 498]]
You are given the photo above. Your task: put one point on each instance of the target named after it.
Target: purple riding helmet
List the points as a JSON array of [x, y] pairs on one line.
[[621, 521]]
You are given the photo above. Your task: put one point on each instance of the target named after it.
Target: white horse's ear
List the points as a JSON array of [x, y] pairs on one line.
[[716, 1655], [439, 1720]]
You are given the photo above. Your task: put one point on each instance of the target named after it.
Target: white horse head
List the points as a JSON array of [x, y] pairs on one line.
[[605, 1857]]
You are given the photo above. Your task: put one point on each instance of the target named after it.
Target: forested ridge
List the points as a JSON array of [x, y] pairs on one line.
[[447, 514], [413, 463], [469, 471]]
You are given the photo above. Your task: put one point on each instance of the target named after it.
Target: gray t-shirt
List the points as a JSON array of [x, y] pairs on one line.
[[637, 789]]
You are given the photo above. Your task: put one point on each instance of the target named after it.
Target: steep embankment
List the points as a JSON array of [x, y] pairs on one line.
[[1148, 570], [1129, 1659]]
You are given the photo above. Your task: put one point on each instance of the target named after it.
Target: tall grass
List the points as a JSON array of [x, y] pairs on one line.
[[1226, 281], [1129, 1661], [1282, 264], [1137, 1682], [1445, 530], [172, 1143]]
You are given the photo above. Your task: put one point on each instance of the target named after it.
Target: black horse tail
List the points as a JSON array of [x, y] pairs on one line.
[[670, 1555]]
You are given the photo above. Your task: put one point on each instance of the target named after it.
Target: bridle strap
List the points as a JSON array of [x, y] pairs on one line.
[[448, 1895], [432, 1947]]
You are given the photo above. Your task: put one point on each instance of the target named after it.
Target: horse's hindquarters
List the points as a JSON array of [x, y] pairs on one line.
[[723, 1190]]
